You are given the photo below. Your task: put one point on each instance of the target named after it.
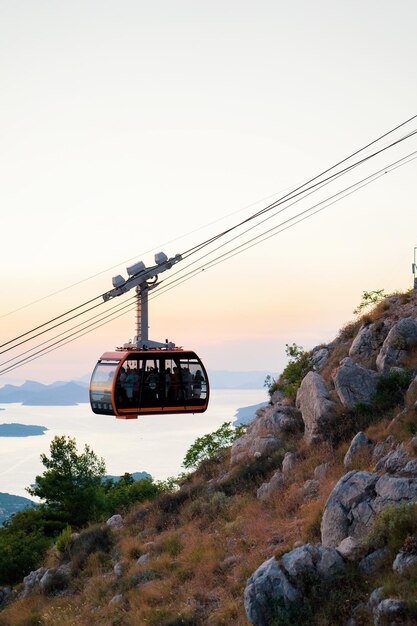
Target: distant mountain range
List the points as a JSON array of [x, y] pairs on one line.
[[68, 393], [32, 393]]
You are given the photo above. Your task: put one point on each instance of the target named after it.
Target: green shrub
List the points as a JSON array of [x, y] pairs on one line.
[[393, 526], [64, 541], [211, 506], [20, 554], [172, 544], [123, 493], [208, 446], [370, 299], [297, 367], [391, 388], [252, 474]]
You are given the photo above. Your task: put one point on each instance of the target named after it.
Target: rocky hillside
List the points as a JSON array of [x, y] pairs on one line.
[[310, 518]]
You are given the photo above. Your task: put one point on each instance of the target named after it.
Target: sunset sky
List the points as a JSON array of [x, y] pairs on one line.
[[133, 127]]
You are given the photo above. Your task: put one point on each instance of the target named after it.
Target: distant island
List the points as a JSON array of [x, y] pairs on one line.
[[10, 504], [70, 393], [21, 430], [134, 475], [246, 414]]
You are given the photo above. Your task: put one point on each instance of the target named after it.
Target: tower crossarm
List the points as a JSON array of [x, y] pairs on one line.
[[139, 274]]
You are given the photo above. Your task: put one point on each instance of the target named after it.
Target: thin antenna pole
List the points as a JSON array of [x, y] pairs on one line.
[[415, 268]]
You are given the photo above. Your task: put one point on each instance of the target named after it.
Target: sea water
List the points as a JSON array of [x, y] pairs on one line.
[[156, 444]]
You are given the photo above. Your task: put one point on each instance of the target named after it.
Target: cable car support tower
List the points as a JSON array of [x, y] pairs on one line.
[[143, 279]]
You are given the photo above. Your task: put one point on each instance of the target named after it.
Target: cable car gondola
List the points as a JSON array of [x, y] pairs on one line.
[[147, 377], [128, 383]]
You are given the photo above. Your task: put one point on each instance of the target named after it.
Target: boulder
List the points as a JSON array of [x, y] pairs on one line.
[[246, 448], [288, 420], [354, 383], [289, 461], [311, 489], [321, 471], [144, 558], [394, 461], [275, 588], [118, 570], [374, 561], [403, 560], [357, 498], [391, 612], [31, 581], [5, 595], [117, 599], [382, 448], [375, 598], [347, 511], [319, 357], [401, 338], [316, 408], [410, 469], [369, 340], [55, 579], [267, 585], [359, 445], [350, 549], [274, 485], [411, 394], [116, 522], [265, 433], [392, 490]]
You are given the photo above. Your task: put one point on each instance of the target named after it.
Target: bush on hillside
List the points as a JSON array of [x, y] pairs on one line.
[[370, 299], [208, 446], [394, 527], [121, 494], [24, 540], [297, 367], [391, 388]]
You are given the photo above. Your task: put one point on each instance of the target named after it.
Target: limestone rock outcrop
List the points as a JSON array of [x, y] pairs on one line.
[[357, 498], [369, 340], [317, 409], [266, 432], [360, 444], [401, 338], [277, 587], [354, 383]]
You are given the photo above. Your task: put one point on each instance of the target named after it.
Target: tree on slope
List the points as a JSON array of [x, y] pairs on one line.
[[71, 485]]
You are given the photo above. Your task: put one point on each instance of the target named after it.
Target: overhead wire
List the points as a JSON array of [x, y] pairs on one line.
[[263, 210], [300, 193], [117, 307], [386, 134], [285, 225]]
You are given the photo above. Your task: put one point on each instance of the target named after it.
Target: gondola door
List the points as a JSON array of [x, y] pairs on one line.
[[127, 391]]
